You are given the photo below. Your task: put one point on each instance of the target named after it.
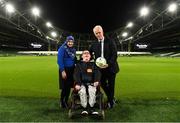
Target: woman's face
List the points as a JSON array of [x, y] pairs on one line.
[[70, 43]]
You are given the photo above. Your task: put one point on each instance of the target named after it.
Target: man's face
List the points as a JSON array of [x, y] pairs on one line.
[[86, 56], [98, 32], [70, 43]]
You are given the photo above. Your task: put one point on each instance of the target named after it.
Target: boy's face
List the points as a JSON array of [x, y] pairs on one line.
[[86, 56]]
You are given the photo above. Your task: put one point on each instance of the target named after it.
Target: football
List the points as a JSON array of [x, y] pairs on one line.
[[100, 62]]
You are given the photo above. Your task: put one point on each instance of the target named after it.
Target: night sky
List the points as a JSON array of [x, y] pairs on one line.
[[82, 16]]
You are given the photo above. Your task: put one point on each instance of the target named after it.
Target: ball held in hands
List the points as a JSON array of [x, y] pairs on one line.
[[101, 62]]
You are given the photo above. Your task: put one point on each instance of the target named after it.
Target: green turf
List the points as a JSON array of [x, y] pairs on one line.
[[148, 89], [29, 76], [47, 110], [148, 77]]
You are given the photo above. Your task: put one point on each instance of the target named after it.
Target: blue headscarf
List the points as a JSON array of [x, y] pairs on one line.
[[69, 38], [71, 52]]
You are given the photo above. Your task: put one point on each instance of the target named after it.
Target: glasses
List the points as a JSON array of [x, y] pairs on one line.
[[86, 52]]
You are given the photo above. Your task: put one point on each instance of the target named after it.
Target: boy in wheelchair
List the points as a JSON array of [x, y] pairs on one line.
[[87, 77]]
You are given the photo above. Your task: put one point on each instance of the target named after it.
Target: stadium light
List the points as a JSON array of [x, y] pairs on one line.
[[49, 25], [130, 38], [1, 1], [36, 11], [172, 7], [10, 8], [144, 11], [129, 25], [54, 34], [124, 34], [47, 37]]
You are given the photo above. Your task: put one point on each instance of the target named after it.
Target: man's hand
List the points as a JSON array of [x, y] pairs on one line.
[[64, 76], [104, 66], [77, 87], [96, 84]]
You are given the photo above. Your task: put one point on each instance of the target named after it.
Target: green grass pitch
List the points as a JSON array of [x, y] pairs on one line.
[[148, 89]]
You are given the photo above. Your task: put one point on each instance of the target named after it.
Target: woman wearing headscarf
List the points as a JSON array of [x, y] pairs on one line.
[[66, 62]]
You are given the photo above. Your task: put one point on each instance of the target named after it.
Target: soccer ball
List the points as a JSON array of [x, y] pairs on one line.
[[100, 62]]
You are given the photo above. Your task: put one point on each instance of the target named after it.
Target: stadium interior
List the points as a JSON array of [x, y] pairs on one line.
[[19, 32], [147, 87]]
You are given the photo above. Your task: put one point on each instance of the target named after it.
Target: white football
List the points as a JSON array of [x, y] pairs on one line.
[[100, 62]]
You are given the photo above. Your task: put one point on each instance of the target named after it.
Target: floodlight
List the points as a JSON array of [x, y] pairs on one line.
[[54, 34], [144, 11], [10, 8], [172, 7], [47, 37], [124, 34], [129, 25], [131, 37], [49, 25], [35, 11]]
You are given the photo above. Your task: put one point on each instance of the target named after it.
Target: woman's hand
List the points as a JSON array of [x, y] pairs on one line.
[[64, 76]]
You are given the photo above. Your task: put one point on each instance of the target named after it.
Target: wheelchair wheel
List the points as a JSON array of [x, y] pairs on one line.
[[102, 115], [100, 100], [70, 114], [73, 106]]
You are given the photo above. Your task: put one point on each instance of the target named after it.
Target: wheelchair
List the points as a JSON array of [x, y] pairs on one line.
[[76, 108]]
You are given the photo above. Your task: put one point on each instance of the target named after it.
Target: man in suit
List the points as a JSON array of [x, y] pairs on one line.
[[109, 70]]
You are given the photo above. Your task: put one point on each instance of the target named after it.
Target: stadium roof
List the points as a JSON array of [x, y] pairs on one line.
[[82, 16], [72, 17]]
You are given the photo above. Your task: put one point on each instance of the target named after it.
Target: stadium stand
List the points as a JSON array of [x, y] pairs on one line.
[[20, 33]]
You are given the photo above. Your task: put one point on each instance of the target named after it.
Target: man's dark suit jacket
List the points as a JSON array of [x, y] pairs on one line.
[[110, 53]]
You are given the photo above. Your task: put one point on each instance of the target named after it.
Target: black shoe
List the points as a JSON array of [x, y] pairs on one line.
[[110, 105], [93, 112], [84, 111], [115, 101]]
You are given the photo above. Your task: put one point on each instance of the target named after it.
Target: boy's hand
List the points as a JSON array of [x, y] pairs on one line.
[[96, 84], [77, 87]]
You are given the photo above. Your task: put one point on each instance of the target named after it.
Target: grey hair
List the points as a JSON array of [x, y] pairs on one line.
[[96, 27]]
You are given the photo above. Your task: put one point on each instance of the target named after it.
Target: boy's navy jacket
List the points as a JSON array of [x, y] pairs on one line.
[[86, 72]]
